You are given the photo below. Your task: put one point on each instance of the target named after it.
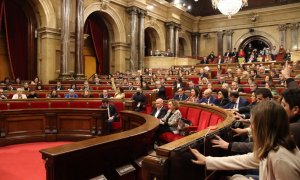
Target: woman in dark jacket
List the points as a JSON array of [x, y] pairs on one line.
[[222, 99]]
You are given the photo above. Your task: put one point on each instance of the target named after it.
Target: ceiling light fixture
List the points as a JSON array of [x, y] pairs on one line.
[[229, 7]]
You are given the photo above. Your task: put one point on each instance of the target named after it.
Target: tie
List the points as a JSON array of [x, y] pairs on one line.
[[108, 111], [180, 97]]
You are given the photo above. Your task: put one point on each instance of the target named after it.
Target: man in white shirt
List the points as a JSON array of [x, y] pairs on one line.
[[159, 111], [19, 94]]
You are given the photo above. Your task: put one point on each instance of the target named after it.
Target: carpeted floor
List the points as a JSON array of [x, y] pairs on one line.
[[24, 161]]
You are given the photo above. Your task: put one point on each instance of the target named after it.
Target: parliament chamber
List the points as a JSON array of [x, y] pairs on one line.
[[64, 65]]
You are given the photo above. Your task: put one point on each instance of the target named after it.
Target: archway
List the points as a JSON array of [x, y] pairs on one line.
[[18, 36], [151, 40], [255, 42], [96, 45]]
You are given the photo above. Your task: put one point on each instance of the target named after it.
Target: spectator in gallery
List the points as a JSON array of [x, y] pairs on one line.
[[211, 56], [73, 86], [86, 86], [17, 80], [9, 87], [26, 87], [19, 94], [71, 94]]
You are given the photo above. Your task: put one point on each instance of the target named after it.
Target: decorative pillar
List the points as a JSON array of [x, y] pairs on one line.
[[229, 39], [282, 35], [141, 46], [171, 26], [176, 41], [79, 40], [195, 44], [133, 29], [220, 42], [65, 40], [294, 36]]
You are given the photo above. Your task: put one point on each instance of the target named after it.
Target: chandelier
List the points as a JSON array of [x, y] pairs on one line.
[[229, 7]]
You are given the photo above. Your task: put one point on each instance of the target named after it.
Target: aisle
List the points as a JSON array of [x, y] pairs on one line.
[[24, 161]]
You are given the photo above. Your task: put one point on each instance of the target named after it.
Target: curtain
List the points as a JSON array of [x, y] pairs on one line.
[[15, 25], [99, 34]]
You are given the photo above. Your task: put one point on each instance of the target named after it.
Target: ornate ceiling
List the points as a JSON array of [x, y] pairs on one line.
[[204, 7]]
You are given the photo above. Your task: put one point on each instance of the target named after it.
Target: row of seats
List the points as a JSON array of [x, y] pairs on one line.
[[14, 105]]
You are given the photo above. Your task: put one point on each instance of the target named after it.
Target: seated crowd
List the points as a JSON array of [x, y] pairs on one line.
[[264, 127]]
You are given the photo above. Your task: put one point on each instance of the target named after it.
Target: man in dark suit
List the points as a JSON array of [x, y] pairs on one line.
[[58, 86], [130, 87], [207, 97], [193, 86], [180, 96], [205, 60], [140, 100], [104, 94], [227, 53], [220, 60], [236, 101], [159, 111], [112, 114], [160, 90]]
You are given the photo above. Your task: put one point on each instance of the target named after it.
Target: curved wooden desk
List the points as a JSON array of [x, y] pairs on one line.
[[90, 158]]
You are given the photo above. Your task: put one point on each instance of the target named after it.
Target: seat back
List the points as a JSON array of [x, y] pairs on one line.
[[18, 105], [184, 111], [204, 120], [193, 115]]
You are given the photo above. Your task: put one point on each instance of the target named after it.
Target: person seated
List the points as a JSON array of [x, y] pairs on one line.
[[26, 87], [235, 87], [71, 94], [254, 74], [119, 91], [35, 81], [104, 94], [39, 87], [73, 86], [9, 87], [86, 86], [253, 86], [130, 87], [288, 55], [211, 57], [220, 60], [2, 95], [207, 97], [270, 85], [32, 94], [205, 60], [112, 114], [160, 90], [19, 94], [6, 81], [274, 153], [53, 94], [178, 83], [17, 81], [193, 86], [236, 101], [169, 123], [58, 86], [140, 100], [202, 74], [159, 111], [145, 86], [87, 94], [227, 53], [222, 98], [194, 97], [97, 81], [180, 95]]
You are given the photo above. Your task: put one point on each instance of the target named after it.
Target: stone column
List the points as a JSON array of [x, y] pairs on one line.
[[141, 45], [171, 26], [176, 41], [294, 36], [220, 43], [282, 35], [229, 39], [79, 40], [195, 44], [133, 29], [65, 40]]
